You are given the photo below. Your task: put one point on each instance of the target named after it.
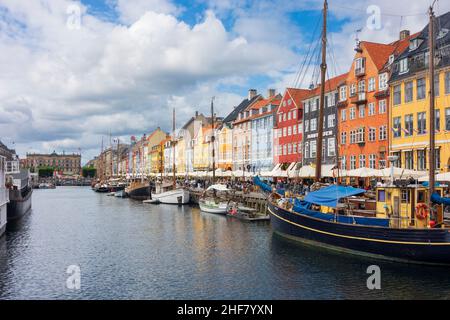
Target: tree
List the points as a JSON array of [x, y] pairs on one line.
[[45, 172], [89, 172]]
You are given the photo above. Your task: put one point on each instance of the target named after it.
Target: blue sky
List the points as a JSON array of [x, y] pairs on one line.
[[129, 62]]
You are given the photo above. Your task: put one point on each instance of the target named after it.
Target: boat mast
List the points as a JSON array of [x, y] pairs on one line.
[[173, 149], [213, 138], [432, 102], [323, 69]]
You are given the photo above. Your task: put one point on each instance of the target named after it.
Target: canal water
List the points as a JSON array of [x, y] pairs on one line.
[[127, 250]]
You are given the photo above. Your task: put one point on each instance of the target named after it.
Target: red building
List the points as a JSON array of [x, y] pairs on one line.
[[288, 128]]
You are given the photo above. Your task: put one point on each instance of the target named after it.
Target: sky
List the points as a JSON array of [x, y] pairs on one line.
[[74, 73]]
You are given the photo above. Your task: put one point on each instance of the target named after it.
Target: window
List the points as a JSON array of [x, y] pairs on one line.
[[383, 133], [343, 93], [397, 127], [289, 102], [362, 111], [306, 149], [372, 134], [382, 106], [331, 147], [362, 160], [352, 113], [397, 95], [437, 120], [409, 125], [372, 161], [313, 124], [313, 150], [284, 149], [343, 115], [343, 163], [359, 66], [371, 108], [284, 132], [289, 131], [331, 120], [343, 137], [421, 88], [331, 100], [299, 130], [360, 135], [409, 161], [447, 82], [362, 86], [306, 125], [289, 115], [352, 162], [436, 85], [408, 91], [307, 106], [280, 118], [294, 114], [289, 148], [421, 123], [371, 84], [314, 104], [447, 119], [294, 129], [403, 65], [383, 81], [284, 116], [352, 136], [437, 158], [352, 89], [421, 160]]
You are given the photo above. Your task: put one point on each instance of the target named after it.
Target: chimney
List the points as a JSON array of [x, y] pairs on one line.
[[196, 114], [271, 93], [404, 34], [252, 93]]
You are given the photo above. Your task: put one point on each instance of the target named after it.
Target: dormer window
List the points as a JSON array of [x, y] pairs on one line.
[[442, 33], [403, 65], [414, 44], [391, 59]]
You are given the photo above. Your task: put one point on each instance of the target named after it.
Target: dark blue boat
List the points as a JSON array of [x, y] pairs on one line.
[[354, 234]]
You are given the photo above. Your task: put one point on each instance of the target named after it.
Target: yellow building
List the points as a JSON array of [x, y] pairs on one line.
[[202, 151], [225, 148], [181, 155], [409, 115], [157, 158]]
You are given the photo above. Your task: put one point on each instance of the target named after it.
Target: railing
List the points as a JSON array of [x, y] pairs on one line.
[[12, 167], [360, 71], [359, 98]]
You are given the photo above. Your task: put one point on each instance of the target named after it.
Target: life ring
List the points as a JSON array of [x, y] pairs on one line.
[[422, 211]]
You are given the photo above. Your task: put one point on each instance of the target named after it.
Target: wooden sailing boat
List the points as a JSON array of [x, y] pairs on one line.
[[170, 193], [401, 229], [215, 199]]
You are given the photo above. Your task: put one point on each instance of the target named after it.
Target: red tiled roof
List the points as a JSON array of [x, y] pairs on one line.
[[330, 85], [298, 95]]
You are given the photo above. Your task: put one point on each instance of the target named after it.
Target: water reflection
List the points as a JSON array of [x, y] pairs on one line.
[[129, 250]]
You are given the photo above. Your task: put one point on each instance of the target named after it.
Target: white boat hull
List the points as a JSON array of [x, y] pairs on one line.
[[3, 219], [177, 196], [211, 207]]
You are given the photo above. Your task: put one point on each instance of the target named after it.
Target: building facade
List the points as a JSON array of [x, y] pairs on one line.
[[409, 92], [67, 164], [288, 132], [311, 123]]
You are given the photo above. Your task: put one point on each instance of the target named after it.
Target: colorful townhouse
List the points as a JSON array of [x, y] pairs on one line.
[[364, 103], [288, 130], [409, 96], [224, 149], [262, 122], [311, 105], [242, 134], [228, 153]]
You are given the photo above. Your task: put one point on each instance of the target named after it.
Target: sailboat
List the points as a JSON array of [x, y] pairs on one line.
[[167, 193], [400, 228]]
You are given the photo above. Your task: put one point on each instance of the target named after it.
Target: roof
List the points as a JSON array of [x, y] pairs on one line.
[[298, 95], [232, 116], [330, 85]]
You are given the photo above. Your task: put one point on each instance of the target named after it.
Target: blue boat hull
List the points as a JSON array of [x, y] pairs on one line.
[[409, 245]]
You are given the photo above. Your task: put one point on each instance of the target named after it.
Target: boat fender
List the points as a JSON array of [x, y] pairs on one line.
[[422, 211]]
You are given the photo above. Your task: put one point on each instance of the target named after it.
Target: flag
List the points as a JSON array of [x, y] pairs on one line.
[[395, 129], [405, 131]]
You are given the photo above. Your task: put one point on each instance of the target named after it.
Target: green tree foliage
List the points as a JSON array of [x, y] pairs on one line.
[[45, 172], [89, 172]]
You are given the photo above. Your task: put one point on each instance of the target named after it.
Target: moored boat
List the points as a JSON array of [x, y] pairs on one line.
[[215, 199], [4, 196], [20, 194], [138, 190], [166, 194]]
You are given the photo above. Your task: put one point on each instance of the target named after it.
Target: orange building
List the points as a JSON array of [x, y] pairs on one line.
[[363, 106]]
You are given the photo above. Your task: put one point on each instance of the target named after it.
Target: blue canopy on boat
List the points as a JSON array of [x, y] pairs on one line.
[[330, 196], [440, 200], [264, 186]]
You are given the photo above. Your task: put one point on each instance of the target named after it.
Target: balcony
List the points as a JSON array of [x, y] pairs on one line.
[[359, 98], [382, 94], [341, 104], [359, 72]]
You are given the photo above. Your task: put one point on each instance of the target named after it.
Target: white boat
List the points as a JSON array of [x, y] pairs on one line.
[[215, 199], [175, 196], [4, 196], [211, 206]]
